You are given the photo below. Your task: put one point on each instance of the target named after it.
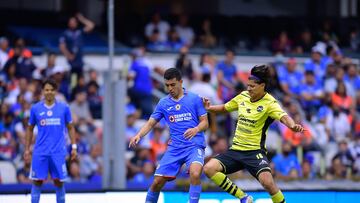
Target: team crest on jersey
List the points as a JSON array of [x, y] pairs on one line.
[[172, 119], [260, 108], [42, 122], [177, 107], [49, 113]]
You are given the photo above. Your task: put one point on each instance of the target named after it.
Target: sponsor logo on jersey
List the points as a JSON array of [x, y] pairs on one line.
[[263, 162], [50, 121], [180, 117]]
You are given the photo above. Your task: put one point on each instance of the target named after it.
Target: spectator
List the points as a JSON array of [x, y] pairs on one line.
[[206, 35], [305, 42], [184, 64], [316, 64], [311, 94], [286, 164], [74, 172], [135, 164], [158, 142], [145, 177], [59, 75], [342, 100], [332, 83], [71, 42], [352, 77], [307, 171], [174, 42], [90, 163], [185, 32], [161, 27], [4, 46], [207, 64], [140, 92], [344, 154], [337, 170], [79, 87], [94, 99], [80, 108], [23, 175], [23, 51], [227, 79], [282, 44], [338, 124], [290, 78], [24, 66], [51, 62]]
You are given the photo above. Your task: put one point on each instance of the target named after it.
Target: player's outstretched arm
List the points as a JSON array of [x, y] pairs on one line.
[[213, 108], [289, 122], [142, 132], [72, 135], [28, 140]]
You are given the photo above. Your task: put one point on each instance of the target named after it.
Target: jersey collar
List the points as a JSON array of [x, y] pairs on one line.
[[51, 106], [185, 92]]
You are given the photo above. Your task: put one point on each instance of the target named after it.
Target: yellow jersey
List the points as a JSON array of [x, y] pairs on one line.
[[254, 119]]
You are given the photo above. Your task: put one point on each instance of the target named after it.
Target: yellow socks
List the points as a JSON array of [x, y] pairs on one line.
[[227, 185], [278, 197]]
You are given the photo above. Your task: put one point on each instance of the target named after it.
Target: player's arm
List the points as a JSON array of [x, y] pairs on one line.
[[89, 25], [145, 129], [202, 126], [71, 131], [290, 123], [28, 140], [214, 108]]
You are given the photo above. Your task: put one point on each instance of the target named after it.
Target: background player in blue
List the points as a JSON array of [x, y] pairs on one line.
[[51, 118], [187, 119]]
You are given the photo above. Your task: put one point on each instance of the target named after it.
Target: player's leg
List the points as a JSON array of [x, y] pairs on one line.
[[195, 183], [167, 169], [194, 163], [267, 181], [58, 173], [36, 191], [155, 188], [257, 163], [223, 164], [38, 173]]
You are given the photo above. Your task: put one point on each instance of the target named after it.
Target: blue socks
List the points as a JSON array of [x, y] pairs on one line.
[[35, 193], [194, 193], [152, 197], [60, 194]]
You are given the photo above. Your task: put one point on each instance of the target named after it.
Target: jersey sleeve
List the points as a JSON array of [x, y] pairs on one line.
[[68, 117], [232, 105], [32, 119], [275, 111], [200, 109], [157, 114]]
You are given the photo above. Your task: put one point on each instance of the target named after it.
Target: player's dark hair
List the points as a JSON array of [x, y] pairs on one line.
[[50, 82], [260, 74], [172, 73]]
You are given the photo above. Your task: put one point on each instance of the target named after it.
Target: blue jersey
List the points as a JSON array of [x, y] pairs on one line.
[[51, 123], [181, 115]]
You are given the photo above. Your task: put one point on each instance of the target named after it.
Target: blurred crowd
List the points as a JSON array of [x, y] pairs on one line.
[[322, 94]]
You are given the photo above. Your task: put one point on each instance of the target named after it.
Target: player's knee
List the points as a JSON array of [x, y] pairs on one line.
[[38, 182], [267, 180], [209, 170], [58, 183], [195, 174]]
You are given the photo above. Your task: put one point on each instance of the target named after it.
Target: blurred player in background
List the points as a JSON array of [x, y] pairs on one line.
[[187, 119], [49, 153], [257, 109]]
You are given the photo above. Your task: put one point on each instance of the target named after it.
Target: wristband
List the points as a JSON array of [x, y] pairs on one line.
[[73, 146]]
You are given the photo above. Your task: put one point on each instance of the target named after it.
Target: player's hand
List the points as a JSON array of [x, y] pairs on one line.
[[206, 103], [297, 128], [27, 156], [191, 132], [73, 154], [134, 141]]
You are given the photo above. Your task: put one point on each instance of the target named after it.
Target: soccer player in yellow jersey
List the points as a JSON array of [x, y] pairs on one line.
[[257, 109]]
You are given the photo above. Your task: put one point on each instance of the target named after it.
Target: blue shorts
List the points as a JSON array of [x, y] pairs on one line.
[[174, 158], [42, 165]]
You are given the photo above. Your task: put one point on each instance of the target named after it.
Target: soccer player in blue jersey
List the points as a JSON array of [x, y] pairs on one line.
[[187, 119], [48, 156]]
